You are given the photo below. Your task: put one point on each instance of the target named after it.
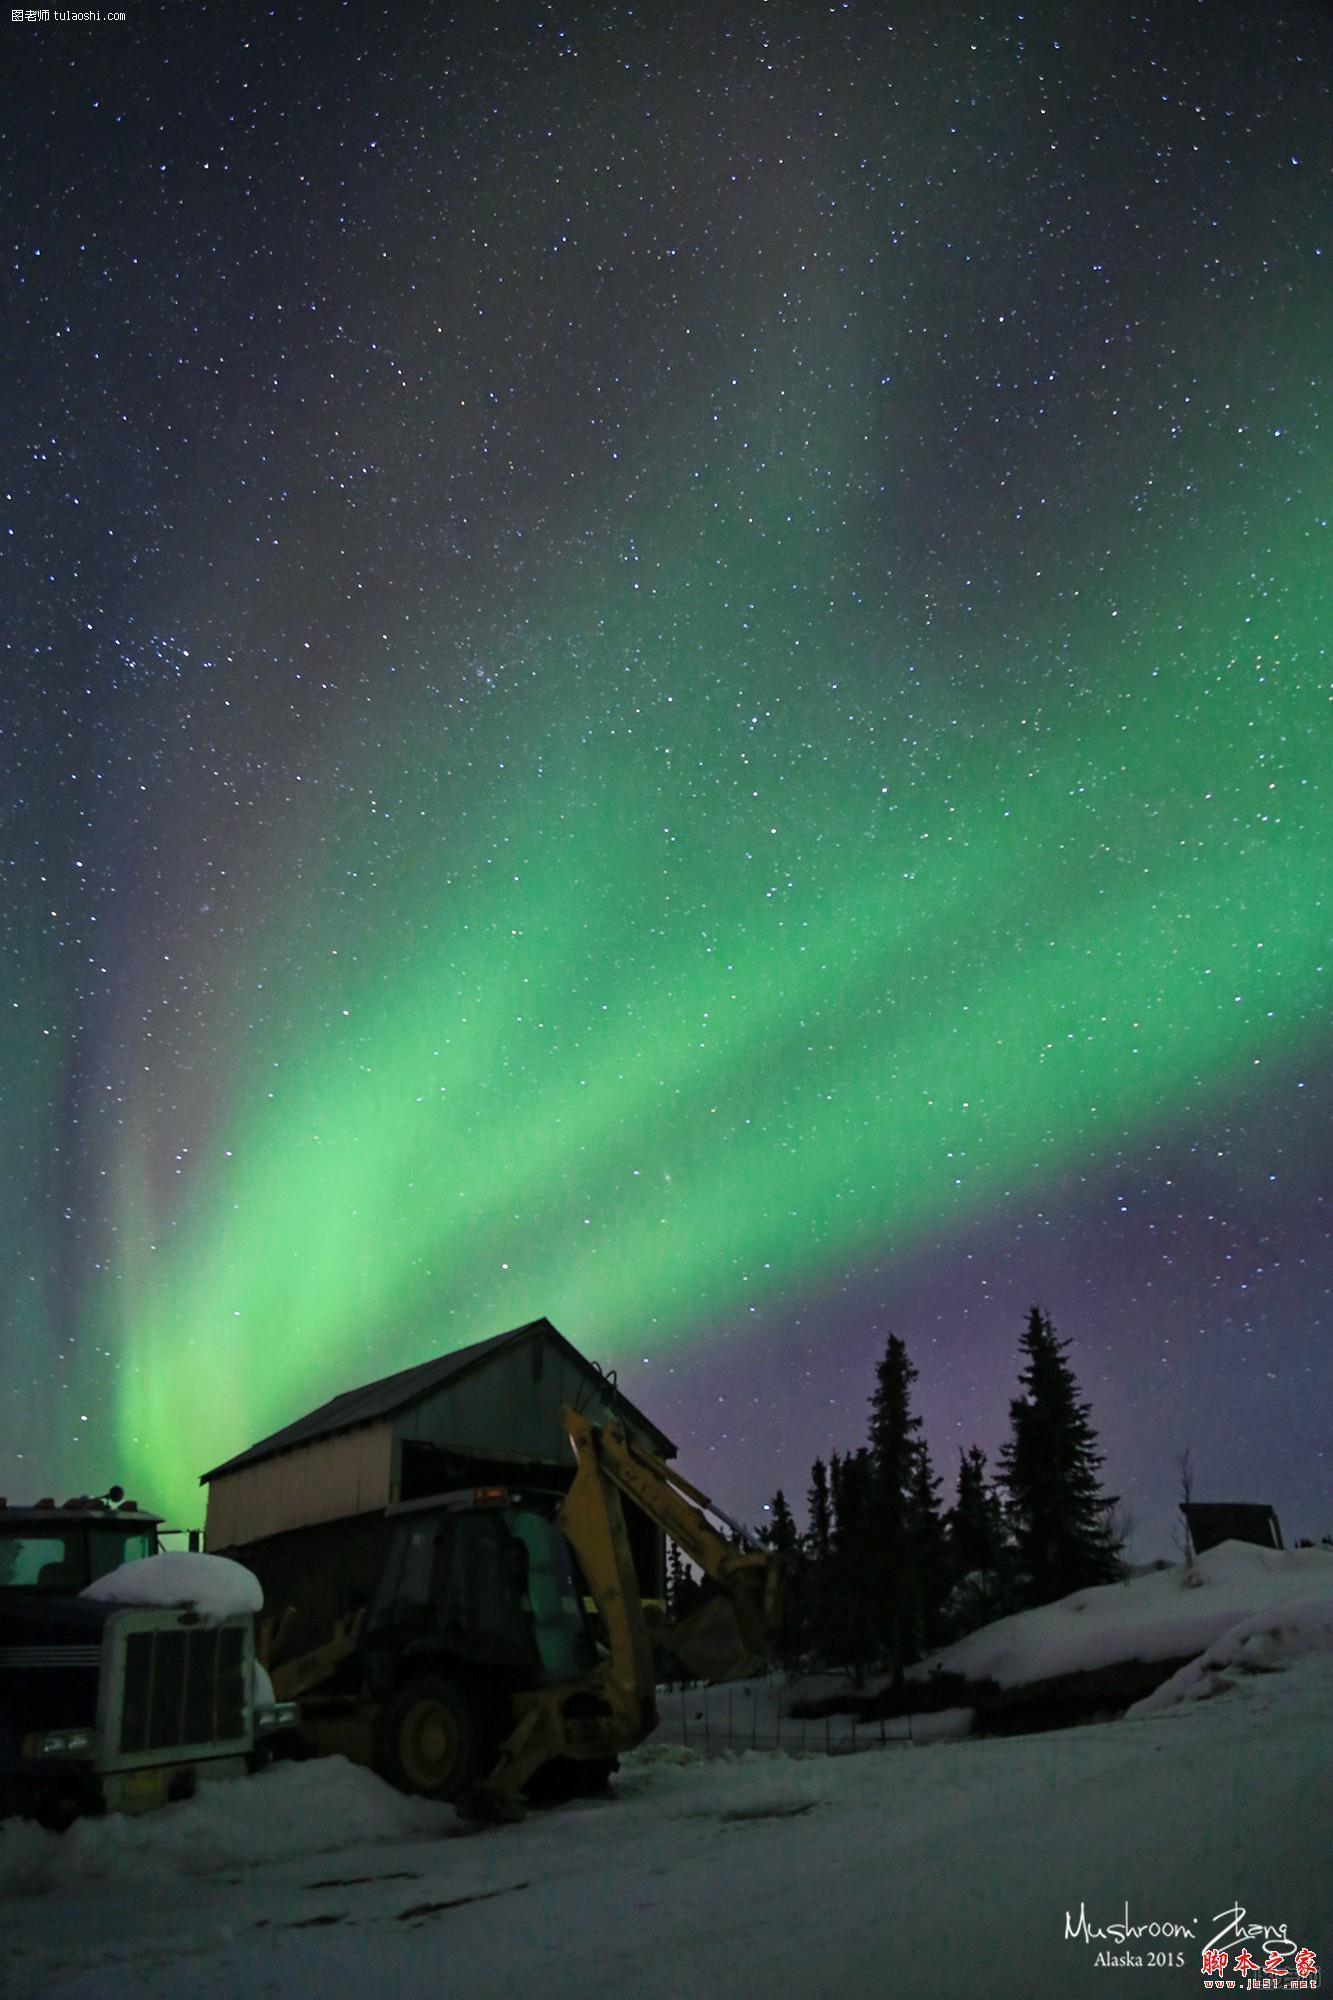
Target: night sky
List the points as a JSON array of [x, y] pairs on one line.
[[669, 666]]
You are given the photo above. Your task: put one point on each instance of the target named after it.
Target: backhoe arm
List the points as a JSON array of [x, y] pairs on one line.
[[614, 1708], [725, 1636]]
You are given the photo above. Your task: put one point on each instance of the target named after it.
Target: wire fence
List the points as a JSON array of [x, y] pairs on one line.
[[728, 1718]]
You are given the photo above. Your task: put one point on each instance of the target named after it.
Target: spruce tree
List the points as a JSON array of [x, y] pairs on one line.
[[851, 1608], [821, 1519], [978, 1548], [676, 1584], [817, 1569], [779, 1534], [930, 1562], [901, 1508], [837, 1544], [894, 1440], [1050, 1469], [685, 1591]]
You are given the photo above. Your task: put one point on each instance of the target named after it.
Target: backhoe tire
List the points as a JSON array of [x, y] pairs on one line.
[[433, 1739]]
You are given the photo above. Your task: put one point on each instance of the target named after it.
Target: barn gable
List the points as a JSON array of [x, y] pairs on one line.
[[489, 1411]]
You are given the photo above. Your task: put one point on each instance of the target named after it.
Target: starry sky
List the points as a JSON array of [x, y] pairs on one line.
[[669, 667]]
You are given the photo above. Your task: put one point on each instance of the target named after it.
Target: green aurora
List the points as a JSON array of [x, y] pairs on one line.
[[674, 705], [707, 1001]]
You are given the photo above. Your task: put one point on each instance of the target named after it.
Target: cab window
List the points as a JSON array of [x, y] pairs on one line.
[[108, 1551], [552, 1599], [51, 1562]]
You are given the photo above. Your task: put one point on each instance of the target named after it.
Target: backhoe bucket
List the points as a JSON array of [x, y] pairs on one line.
[[710, 1644]]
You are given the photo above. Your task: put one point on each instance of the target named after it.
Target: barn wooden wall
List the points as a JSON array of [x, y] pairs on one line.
[[347, 1474]]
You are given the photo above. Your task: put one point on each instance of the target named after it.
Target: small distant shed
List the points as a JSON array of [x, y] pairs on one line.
[[485, 1414], [1210, 1522]]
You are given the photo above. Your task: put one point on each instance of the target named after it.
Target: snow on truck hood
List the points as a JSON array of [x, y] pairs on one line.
[[214, 1586]]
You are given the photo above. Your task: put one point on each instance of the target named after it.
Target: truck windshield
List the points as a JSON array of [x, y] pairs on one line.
[[44, 1560], [66, 1558]]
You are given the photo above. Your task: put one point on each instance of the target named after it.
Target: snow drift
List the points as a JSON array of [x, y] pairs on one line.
[[1262, 1644], [1169, 1614], [313, 1808]]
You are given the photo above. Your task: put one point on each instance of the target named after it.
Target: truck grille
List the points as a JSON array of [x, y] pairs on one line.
[[183, 1687], [21, 1658]]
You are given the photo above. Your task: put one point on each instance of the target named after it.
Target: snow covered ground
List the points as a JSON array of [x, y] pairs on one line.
[[931, 1871]]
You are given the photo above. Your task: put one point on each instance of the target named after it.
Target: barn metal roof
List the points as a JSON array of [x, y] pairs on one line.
[[393, 1393]]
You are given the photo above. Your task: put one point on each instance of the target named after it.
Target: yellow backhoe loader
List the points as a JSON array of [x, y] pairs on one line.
[[506, 1650]]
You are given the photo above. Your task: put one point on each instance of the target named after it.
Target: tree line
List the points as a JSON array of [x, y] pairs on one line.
[[883, 1573]]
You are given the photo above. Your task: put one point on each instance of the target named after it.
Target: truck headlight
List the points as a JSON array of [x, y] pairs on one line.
[[60, 1743], [271, 1715]]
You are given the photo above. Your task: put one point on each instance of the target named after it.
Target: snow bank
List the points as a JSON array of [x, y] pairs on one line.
[[312, 1808], [213, 1585], [1262, 1644], [1166, 1614]]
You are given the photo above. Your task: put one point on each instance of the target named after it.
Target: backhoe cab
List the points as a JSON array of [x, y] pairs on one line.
[[477, 1673]]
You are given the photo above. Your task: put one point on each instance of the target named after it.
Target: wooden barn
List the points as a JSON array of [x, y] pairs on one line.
[[486, 1414]]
